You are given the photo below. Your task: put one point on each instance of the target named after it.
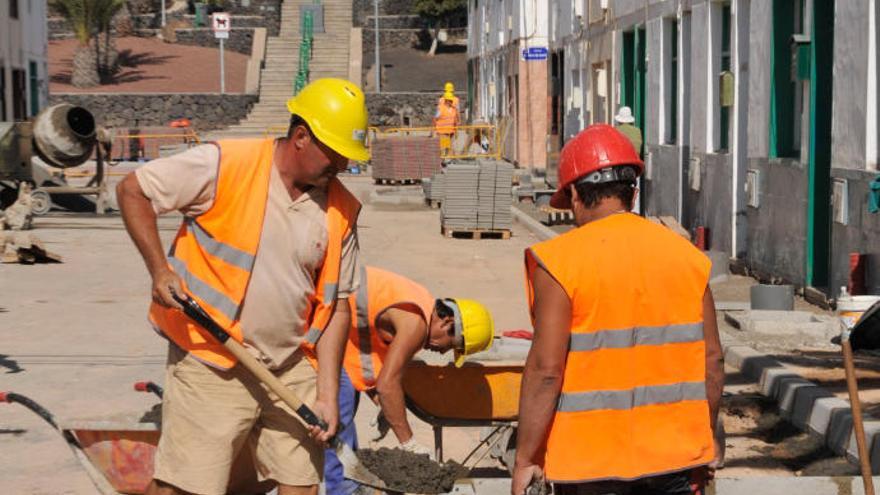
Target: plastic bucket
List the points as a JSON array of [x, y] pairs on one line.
[[851, 308]]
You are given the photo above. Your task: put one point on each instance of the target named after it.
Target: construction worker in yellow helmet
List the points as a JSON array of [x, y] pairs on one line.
[[447, 118], [287, 306], [394, 319], [449, 93]]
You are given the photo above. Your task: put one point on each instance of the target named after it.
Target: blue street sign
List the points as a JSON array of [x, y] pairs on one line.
[[535, 53]]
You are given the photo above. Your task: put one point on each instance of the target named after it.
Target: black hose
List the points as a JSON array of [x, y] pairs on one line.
[[156, 389], [33, 406]]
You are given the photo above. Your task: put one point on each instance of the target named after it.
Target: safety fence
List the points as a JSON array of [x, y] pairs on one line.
[[305, 53], [143, 144]]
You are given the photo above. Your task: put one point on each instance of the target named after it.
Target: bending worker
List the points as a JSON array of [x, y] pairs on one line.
[[446, 119], [394, 318], [621, 386], [279, 300]]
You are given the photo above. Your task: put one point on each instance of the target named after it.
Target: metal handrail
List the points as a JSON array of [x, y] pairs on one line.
[[305, 53]]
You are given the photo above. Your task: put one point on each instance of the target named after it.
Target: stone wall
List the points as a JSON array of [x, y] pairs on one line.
[[403, 109], [206, 110]]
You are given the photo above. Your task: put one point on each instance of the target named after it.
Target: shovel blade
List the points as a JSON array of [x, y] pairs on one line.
[[355, 470]]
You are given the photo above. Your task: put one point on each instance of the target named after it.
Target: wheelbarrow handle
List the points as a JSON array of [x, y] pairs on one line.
[[150, 387], [192, 309]]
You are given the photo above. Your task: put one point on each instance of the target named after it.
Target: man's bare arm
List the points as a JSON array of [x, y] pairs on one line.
[[140, 222], [330, 349], [714, 357], [409, 337], [542, 376]]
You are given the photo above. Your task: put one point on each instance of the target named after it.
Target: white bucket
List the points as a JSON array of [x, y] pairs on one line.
[[851, 308]]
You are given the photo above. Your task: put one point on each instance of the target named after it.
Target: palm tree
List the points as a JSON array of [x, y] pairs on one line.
[[80, 15], [107, 55], [90, 20]]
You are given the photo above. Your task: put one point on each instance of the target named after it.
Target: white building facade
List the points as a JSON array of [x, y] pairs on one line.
[[24, 79]]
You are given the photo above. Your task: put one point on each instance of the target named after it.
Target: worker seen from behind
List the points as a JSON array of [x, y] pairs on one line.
[[393, 319], [446, 119], [621, 387], [626, 125], [267, 247]]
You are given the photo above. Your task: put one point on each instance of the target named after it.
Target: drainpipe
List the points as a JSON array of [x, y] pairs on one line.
[[871, 108], [376, 66]]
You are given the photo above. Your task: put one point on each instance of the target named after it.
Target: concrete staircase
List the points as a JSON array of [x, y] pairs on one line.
[[330, 58]]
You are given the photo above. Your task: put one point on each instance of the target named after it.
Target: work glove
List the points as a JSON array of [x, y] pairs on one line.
[[381, 425], [415, 447]]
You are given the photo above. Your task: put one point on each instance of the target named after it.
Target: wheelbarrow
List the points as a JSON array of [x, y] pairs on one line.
[[483, 393], [118, 456]]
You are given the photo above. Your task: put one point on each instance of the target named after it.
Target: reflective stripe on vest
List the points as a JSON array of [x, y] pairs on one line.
[[617, 339], [628, 399], [633, 398], [215, 253]]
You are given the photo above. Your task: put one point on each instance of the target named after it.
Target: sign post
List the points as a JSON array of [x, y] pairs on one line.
[[221, 23]]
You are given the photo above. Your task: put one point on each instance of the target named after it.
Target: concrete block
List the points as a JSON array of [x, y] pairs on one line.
[[824, 408], [783, 323], [774, 485]]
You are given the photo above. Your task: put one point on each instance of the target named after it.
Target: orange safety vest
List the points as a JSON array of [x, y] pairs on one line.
[[633, 400], [379, 291], [455, 102], [215, 252], [445, 119]]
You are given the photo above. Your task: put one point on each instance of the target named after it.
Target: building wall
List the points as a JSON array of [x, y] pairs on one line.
[[24, 40]]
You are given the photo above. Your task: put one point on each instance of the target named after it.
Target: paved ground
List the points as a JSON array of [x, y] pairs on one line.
[[150, 65]]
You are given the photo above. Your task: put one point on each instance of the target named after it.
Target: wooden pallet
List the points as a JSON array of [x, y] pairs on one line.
[[397, 182], [476, 234], [554, 216]]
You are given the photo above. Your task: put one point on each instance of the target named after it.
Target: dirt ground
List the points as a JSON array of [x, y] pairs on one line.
[[410, 69], [149, 65]]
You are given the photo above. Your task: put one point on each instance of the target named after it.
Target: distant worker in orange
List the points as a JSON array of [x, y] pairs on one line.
[[446, 119], [621, 387], [393, 319], [449, 88]]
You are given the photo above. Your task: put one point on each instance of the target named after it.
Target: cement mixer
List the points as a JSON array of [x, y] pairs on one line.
[[61, 136]]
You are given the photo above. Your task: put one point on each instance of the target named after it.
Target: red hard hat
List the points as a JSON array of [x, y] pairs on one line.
[[596, 147]]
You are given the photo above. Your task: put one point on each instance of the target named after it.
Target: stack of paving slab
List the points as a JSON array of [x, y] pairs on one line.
[[405, 158], [477, 196], [434, 188]]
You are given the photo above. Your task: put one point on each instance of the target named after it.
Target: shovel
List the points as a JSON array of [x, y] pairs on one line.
[[351, 465]]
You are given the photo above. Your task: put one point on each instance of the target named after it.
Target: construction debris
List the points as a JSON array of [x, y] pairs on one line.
[[24, 248], [19, 215]]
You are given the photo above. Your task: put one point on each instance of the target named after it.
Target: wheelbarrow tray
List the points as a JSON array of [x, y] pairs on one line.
[[122, 452], [478, 393]]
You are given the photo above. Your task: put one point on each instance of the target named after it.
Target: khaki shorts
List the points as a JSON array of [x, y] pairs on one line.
[[210, 415]]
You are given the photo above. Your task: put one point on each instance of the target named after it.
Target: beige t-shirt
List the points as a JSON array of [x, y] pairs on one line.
[[274, 313]]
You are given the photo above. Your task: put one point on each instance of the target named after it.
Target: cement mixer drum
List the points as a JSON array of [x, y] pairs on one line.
[[64, 135]]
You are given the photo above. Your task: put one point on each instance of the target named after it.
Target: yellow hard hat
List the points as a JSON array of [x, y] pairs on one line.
[[448, 87], [336, 112], [474, 329]]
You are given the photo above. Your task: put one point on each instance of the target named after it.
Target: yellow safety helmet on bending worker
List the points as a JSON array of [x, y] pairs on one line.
[[474, 329], [336, 112], [448, 87]]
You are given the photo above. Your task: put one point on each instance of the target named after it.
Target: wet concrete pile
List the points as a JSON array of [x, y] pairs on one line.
[[411, 473]]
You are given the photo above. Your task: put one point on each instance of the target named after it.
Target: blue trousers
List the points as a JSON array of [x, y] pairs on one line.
[[334, 479]]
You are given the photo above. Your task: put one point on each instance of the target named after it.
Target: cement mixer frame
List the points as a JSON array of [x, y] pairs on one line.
[[61, 136]]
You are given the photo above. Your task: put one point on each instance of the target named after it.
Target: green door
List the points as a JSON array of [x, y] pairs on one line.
[[633, 75], [819, 183]]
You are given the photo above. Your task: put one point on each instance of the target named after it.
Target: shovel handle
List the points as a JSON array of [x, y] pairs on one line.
[[192, 309]]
